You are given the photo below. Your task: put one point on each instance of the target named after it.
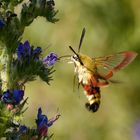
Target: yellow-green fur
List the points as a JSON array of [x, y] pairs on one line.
[[88, 62]]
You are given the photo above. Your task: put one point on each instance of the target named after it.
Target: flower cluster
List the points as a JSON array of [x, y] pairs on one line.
[[23, 50], [28, 64], [12, 97], [26, 52]]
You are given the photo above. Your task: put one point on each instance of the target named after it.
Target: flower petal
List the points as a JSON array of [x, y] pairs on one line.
[[18, 95], [2, 23], [50, 59], [42, 121], [24, 50]]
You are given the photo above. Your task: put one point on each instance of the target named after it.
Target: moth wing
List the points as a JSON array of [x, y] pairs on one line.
[[107, 65]]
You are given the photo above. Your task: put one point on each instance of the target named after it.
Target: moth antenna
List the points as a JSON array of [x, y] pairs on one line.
[[81, 39], [73, 50]]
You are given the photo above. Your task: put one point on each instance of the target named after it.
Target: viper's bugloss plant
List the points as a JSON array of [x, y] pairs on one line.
[[21, 62]]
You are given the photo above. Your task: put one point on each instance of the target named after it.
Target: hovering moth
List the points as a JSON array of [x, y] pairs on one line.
[[93, 73]]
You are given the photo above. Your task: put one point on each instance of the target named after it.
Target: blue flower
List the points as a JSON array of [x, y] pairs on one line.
[[23, 129], [2, 23], [18, 95], [24, 50], [37, 51], [43, 123], [7, 97], [50, 59], [13, 98]]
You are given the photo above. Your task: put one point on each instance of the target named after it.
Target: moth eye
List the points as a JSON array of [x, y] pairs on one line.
[[76, 58]]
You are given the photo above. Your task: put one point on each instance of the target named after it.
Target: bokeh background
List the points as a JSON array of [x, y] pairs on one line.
[[111, 26]]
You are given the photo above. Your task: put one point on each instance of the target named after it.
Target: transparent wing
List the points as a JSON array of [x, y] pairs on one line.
[[107, 65]]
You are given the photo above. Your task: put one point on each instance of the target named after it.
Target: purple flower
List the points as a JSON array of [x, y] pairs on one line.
[[18, 95], [43, 123], [24, 50], [13, 98], [2, 23], [50, 59], [23, 129], [37, 51]]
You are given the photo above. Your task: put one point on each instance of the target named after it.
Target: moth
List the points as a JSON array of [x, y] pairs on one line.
[[94, 73]]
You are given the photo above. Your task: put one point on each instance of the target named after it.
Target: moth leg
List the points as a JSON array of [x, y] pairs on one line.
[[74, 78]]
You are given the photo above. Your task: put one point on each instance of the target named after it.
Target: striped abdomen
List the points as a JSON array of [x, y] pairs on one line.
[[93, 96]]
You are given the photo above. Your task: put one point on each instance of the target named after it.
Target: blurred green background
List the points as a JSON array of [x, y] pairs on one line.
[[111, 26]]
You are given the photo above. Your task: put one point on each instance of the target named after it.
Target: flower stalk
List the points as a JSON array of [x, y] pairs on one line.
[[5, 69]]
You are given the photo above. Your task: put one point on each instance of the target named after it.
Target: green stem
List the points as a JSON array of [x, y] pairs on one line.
[[9, 62], [4, 68], [6, 60]]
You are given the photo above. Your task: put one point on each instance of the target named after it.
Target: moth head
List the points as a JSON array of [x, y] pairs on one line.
[[76, 57]]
